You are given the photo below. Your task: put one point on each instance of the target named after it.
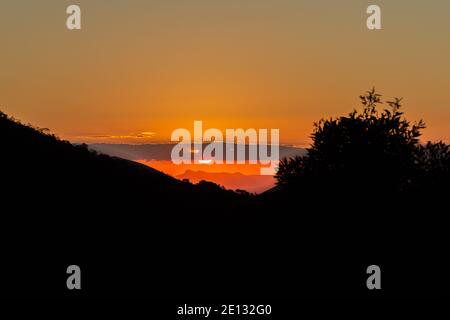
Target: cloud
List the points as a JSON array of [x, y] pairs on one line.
[[133, 136]]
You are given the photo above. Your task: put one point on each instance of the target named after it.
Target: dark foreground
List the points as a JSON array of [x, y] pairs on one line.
[[136, 233]]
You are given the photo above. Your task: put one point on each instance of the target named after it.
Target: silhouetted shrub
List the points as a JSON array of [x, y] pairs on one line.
[[369, 151]]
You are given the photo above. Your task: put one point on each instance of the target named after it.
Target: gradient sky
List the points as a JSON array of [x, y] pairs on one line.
[[156, 65]]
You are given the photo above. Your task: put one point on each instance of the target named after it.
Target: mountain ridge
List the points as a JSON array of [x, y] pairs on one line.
[[231, 180]]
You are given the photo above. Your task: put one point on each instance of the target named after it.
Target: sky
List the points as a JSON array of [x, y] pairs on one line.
[[139, 69]]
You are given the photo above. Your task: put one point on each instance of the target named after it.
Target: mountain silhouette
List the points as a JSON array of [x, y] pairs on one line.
[[42, 166], [233, 181], [65, 204], [136, 232]]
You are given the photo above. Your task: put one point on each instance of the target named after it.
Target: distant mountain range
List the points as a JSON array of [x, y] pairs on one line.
[[234, 181], [163, 151], [158, 153]]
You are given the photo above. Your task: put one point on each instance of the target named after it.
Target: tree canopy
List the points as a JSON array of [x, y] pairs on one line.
[[368, 150]]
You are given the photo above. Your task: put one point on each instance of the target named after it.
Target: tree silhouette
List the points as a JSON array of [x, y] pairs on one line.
[[369, 151]]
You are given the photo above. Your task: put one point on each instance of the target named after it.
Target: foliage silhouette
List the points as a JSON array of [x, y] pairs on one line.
[[367, 152]]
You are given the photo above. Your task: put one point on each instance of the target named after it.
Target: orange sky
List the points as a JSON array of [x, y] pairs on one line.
[[154, 66]]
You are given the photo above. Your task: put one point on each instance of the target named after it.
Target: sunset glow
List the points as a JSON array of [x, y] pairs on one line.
[[153, 66], [138, 70]]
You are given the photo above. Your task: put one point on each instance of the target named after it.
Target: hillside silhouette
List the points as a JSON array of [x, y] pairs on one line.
[[367, 192], [63, 203], [41, 166]]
